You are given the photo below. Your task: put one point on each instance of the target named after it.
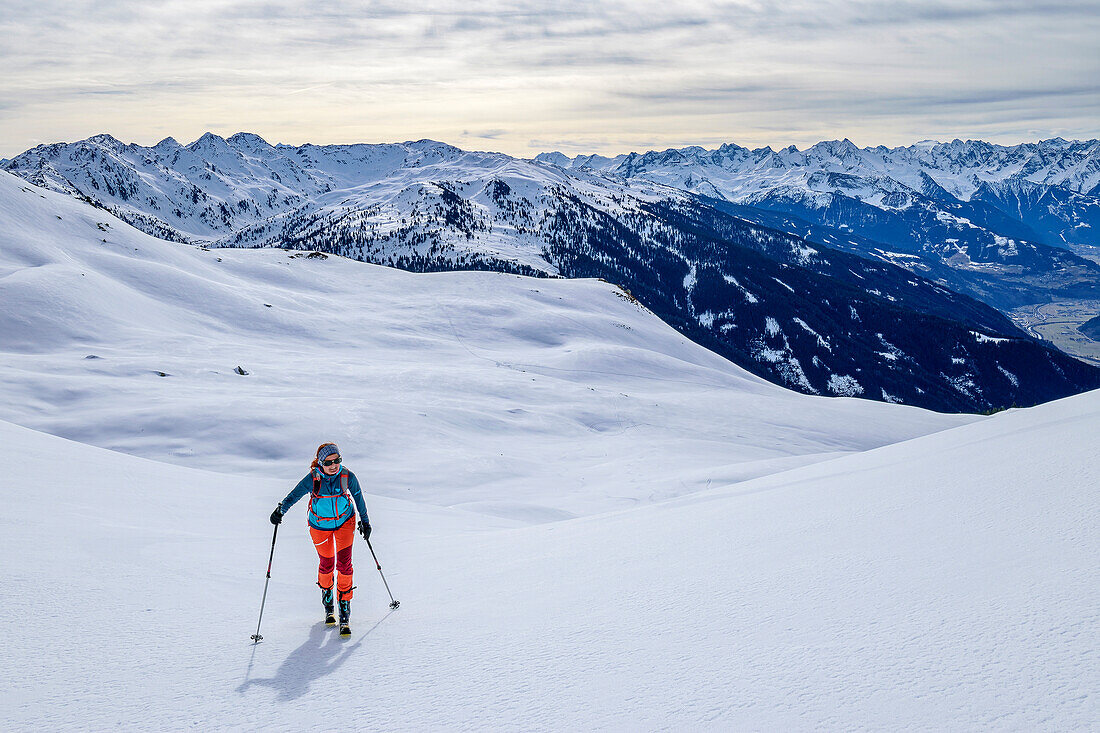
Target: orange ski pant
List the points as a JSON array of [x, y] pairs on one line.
[[334, 549]]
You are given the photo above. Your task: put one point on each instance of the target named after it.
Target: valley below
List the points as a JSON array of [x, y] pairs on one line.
[[1057, 323]]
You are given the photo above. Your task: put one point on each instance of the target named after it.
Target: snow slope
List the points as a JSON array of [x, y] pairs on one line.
[[529, 399], [584, 515], [944, 583]]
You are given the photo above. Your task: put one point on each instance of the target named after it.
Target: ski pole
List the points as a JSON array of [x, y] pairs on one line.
[[256, 638], [393, 603]]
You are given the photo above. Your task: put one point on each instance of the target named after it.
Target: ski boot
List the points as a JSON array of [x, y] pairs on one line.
[[326, 601], [345, 616]]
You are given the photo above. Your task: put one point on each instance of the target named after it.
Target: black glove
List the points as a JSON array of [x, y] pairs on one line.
[[277, 515], [364, 529]]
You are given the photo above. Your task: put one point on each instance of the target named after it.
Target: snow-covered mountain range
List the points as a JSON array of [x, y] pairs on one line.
[[797, 311], [959, 167], [991, 221]]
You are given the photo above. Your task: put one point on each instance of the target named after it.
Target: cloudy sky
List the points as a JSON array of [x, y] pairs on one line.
[[525, 76]]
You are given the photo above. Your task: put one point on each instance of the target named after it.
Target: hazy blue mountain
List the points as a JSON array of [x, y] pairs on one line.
[[1003, 224]]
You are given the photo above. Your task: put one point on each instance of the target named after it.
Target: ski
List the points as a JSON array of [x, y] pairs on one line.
[[330, 620], [345, 630]]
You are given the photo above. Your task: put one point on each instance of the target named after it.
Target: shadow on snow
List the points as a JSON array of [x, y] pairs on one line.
[[311, 661]]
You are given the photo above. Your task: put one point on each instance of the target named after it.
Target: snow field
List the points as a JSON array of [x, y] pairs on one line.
[[944, 583], [590, 522]]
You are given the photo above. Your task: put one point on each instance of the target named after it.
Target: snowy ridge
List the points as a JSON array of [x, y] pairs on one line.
[[243, 186], [958, 167]]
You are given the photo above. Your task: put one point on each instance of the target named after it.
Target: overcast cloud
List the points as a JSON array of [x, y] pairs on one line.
[[522, 77]]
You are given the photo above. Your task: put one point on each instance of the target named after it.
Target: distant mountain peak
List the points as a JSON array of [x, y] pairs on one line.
[[428, 143], [106, 140], [248, 138], [843, 149], [208, 140], [553, 158]]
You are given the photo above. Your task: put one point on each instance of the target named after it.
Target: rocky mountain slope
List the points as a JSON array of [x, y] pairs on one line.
[[998, 223]]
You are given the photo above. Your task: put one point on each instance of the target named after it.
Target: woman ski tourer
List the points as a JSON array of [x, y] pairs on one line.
[[332, 489]]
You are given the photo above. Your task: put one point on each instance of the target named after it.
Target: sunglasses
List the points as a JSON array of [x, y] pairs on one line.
[[331, 462]]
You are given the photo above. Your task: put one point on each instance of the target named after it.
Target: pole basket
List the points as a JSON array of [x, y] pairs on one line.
[[393, 603]]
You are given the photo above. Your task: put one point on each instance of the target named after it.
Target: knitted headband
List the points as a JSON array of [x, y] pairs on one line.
[[326, 450]]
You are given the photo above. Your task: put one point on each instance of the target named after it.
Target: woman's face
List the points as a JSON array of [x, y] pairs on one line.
[[333, 466]]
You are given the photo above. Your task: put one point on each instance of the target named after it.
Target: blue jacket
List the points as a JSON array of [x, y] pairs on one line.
[[330, 507]]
